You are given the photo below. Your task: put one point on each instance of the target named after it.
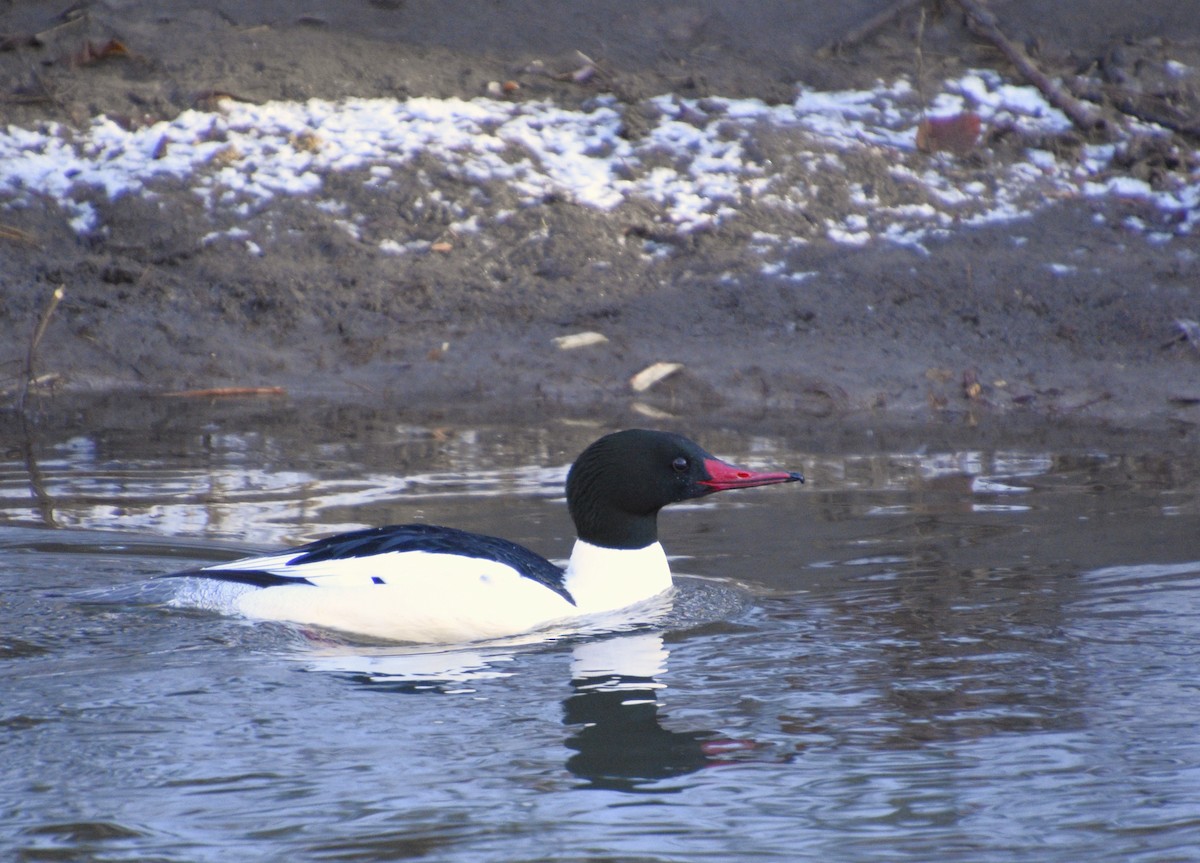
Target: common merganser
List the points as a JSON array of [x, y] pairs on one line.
[[429, 584]]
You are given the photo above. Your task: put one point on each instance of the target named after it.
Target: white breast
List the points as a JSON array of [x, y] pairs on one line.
[[605, 579]]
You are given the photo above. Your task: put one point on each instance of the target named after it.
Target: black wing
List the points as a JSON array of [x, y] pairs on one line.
[[398, 538]]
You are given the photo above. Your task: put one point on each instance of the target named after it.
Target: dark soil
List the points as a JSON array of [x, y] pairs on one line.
[[979, 328]]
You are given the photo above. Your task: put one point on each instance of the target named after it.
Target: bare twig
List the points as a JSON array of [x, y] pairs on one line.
[[34, 341], [7, 232], [983, 22], [584, 73], [71, 17], [224, 392], [1137, 106], [870, 27], [43, 501], [921, 61]]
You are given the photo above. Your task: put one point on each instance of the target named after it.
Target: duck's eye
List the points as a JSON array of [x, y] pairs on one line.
[[680, 464]]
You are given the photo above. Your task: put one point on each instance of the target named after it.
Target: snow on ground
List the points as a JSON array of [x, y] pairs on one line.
[[700, 163]]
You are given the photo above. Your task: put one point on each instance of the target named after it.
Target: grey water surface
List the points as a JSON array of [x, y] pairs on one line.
[[926, 653]]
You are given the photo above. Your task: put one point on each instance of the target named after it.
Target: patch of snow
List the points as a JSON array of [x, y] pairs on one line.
[[699, 163]]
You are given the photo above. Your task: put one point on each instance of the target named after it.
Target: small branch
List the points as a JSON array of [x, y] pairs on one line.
[[224, 392], [7, 232], [983, 22], [71, 17], [34, 341], [1137, 106], [43, 500], [869, 27]]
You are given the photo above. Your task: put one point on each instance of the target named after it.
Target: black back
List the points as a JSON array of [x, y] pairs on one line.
[[401, 538]]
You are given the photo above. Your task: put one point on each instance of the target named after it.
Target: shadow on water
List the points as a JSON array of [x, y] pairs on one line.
[[945, 646]]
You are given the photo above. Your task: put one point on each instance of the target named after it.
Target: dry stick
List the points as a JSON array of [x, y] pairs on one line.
[[871, 26], [1123, 101], [34, 341], [920, 57], [983, 22], [7, 232], [216, 392]]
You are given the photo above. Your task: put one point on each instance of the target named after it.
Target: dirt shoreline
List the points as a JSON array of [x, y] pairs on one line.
[[1076, 321]]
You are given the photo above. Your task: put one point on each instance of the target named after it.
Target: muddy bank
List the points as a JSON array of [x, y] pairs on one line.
[[1071, 312]]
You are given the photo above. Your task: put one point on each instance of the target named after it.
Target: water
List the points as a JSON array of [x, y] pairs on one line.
[[926, 653]]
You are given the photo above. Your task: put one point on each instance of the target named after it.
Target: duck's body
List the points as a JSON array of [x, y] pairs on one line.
[[424, 583]]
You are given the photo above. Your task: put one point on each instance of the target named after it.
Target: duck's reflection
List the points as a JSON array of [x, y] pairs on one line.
[[618, 740], [415, 671]]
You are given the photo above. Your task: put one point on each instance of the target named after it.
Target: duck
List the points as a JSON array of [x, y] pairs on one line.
[[427, 584]]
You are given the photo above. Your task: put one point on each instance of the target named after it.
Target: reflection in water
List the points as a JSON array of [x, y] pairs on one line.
[[267, 489], [447, 672], [252, 487], [617, 737], [43, 504], [620, 743]]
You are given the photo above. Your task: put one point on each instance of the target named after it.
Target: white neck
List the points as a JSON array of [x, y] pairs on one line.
[[604, 579]]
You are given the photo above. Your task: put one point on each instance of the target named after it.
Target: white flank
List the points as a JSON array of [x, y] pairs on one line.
[[436, 598], [425, 597]]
